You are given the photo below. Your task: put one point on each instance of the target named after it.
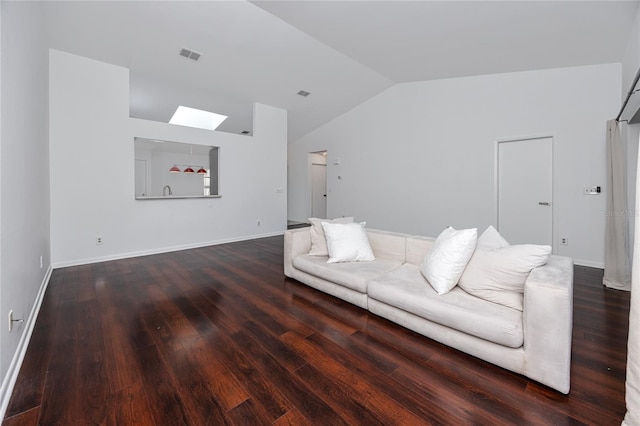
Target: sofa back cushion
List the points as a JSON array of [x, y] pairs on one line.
[[417, 249], [387, 245]]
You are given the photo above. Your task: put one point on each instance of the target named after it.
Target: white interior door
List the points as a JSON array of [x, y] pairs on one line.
[[319, 190], [525, 190]]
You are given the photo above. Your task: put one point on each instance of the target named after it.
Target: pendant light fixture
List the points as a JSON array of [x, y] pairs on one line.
[[188, 168]]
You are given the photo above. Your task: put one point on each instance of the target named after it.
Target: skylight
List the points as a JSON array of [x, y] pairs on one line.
[[192, 117]]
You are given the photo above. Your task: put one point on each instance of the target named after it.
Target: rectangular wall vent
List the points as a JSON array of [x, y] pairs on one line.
[[189, 54]]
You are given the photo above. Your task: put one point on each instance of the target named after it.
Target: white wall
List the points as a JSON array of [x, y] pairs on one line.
[[24, 179], [420, 156], [92, 173], [631, 59], [630, 65]]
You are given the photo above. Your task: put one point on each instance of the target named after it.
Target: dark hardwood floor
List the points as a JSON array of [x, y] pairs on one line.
[[217, 335]]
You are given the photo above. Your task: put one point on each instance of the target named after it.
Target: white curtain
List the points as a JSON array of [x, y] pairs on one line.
[[633, 346], [617, 261]]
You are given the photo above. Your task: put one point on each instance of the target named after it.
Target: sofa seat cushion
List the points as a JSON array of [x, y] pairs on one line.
[[405, 288], [353, 275]]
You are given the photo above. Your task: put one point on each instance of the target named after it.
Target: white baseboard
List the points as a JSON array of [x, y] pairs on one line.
[[14, 368], [128, 255]]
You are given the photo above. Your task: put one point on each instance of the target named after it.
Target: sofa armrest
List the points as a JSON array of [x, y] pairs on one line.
[[548, 322], [296, 242]]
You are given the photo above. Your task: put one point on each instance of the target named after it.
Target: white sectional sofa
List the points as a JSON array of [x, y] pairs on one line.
[[534, 342]]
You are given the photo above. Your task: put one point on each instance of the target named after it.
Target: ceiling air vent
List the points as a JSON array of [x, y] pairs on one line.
[[189, 54], [303, 93]]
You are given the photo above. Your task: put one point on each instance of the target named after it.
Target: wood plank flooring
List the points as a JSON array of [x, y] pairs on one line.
[[217, 335]]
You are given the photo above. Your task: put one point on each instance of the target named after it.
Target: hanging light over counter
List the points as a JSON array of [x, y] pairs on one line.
[[188, 169]]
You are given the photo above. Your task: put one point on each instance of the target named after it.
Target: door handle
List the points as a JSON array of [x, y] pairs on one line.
[[544, 203]]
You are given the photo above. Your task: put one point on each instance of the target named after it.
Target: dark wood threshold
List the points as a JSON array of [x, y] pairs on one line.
[[217, 335], [292, 224]]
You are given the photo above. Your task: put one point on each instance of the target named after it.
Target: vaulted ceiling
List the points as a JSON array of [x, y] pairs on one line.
[[342, 52]]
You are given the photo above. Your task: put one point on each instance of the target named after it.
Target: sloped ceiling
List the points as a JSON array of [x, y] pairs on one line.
[[342, 52]]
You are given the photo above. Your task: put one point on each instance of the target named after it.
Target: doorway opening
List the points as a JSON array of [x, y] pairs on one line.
[[318, 185]]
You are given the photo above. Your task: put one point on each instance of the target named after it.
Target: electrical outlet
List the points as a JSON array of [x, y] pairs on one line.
[[258, 223], [564, 241], [98, 241], [12, 320]]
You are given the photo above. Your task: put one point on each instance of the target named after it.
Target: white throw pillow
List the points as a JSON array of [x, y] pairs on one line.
[[449, 255], [318, 240], [491, 240], [499, 275], [347, 242]]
